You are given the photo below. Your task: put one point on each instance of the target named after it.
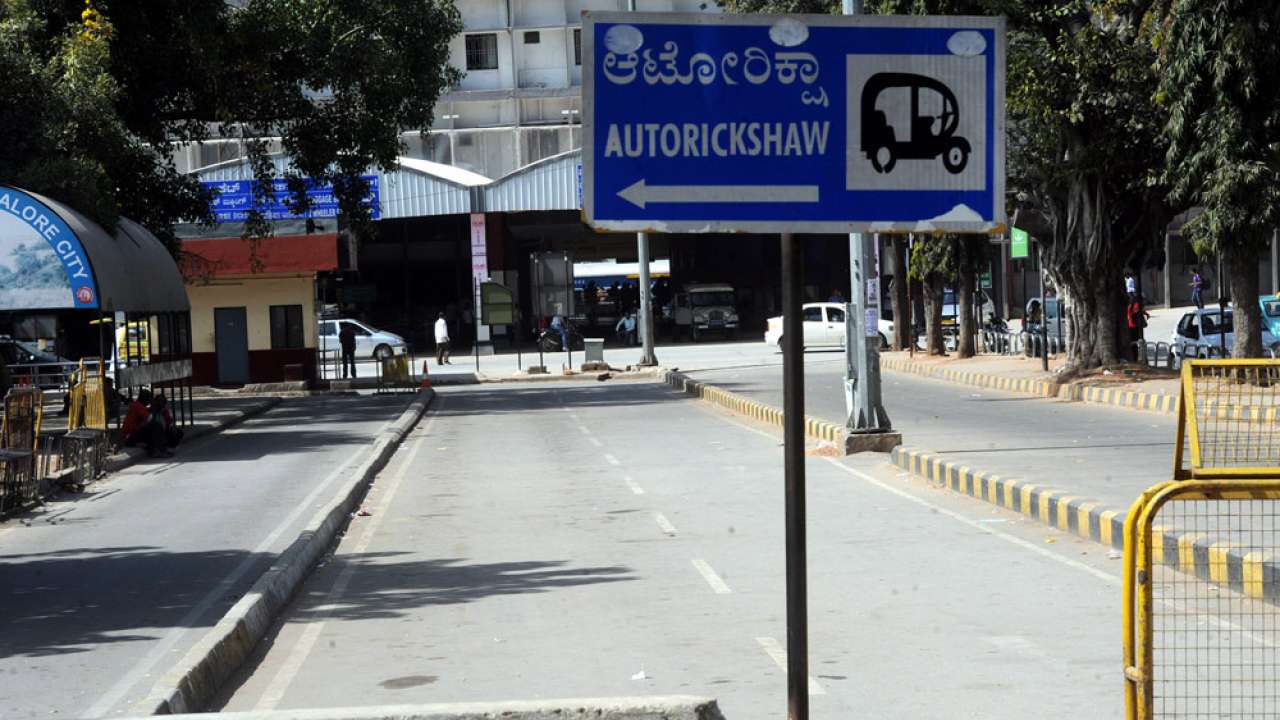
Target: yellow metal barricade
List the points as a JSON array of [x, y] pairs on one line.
[[1202, 556], [87, 401]]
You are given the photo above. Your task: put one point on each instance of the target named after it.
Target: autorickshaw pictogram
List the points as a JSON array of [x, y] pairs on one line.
[[930, 135]]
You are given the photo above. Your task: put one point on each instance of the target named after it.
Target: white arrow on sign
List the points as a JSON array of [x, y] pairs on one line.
[[639, 194]]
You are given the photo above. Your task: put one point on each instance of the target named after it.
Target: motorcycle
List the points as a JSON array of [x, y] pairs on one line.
[[549, 339]]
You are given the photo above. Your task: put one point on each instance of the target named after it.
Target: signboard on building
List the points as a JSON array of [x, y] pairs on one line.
[[1017, 243], [815, 123], [497, 304], [233, 199], [479, 266], [43, 266]]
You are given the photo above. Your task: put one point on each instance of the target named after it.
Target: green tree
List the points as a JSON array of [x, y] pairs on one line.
[[935, 262], [1086, 154], [96, 93], [1224, 136]]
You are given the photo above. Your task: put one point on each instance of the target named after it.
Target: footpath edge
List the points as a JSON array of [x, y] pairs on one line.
[[657, 707], [1115, 397], [195, 679]]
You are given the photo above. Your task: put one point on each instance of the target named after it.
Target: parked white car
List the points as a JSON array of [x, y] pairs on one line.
[[824, 326], [370, 341], [1200, 330]]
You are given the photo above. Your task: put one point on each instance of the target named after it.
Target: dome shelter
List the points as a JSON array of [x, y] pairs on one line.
[[64, 280]]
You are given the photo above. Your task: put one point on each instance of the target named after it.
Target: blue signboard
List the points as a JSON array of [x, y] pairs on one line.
[[713, 123], [233, 199], [43, 265]]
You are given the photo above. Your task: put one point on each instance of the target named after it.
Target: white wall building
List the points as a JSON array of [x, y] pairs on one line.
[[521, 97]]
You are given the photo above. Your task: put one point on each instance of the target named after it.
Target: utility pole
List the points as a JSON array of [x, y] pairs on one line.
[[648, 357], [862, 348]]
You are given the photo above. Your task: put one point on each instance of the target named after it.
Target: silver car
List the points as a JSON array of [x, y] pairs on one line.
[[1200, 333], [370, 341]]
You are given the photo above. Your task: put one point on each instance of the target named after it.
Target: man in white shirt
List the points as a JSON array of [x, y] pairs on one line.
[[442, 341]]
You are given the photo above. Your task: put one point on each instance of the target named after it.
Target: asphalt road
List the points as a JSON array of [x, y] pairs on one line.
[[102, 589], [624, 539], [1103, 453]]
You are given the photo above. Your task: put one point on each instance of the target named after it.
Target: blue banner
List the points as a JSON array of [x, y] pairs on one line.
[[233, 200], [43, 265]]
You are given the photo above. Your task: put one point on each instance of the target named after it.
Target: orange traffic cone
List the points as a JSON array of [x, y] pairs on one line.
[[426, 376]]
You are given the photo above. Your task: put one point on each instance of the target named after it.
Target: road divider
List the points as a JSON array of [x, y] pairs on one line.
[[197, 677], [1194, 553], [820, 430]]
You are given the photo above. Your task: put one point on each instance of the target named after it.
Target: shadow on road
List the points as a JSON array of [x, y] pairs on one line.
[[382, 589], [68, 601]]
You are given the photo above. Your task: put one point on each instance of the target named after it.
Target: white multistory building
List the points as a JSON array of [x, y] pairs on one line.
[[520, 99]]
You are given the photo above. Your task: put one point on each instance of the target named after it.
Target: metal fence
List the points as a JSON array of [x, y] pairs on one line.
[[1202, 625], [1000, 342], [1202, 555]]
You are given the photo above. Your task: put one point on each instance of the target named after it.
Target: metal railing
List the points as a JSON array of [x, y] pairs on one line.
[[1201, 573]]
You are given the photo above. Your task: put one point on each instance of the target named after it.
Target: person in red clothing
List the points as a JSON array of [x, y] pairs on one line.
[[1136, 315], [142, 427]]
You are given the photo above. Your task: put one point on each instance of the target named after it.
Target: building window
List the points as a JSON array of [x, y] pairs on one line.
[[286, 327], [482, 52], [577, 46], [532, 37]]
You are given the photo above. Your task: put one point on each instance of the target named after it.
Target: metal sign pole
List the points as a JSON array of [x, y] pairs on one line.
[[793, 454], [475, 341], [648, 357]]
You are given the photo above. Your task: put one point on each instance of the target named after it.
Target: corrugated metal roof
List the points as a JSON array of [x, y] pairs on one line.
[[422, 188], [417, 188], [552, 183]]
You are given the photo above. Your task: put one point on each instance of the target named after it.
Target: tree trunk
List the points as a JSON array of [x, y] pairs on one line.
[[933, 314], [1111, 327], [967, 282], [1242, 265], [1086, 258], [901, 308]]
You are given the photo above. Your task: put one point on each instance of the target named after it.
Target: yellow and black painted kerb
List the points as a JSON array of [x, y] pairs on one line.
[[1130, 399], [1254, 574], [754, 409]]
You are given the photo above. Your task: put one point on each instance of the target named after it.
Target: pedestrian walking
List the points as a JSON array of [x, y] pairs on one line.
[[347, 340], [442, 341], [1130, 285], [1197, 289], [836, 297]]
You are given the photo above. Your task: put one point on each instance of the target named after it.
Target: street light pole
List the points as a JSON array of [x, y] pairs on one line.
[[648, 357], [862, 354]]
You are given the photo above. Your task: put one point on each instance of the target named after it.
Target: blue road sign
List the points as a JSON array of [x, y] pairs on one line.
[[802, 123], [232, 200]]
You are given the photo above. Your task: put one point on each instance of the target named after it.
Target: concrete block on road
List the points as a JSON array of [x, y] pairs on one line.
[[858, 442], [669, 707]]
